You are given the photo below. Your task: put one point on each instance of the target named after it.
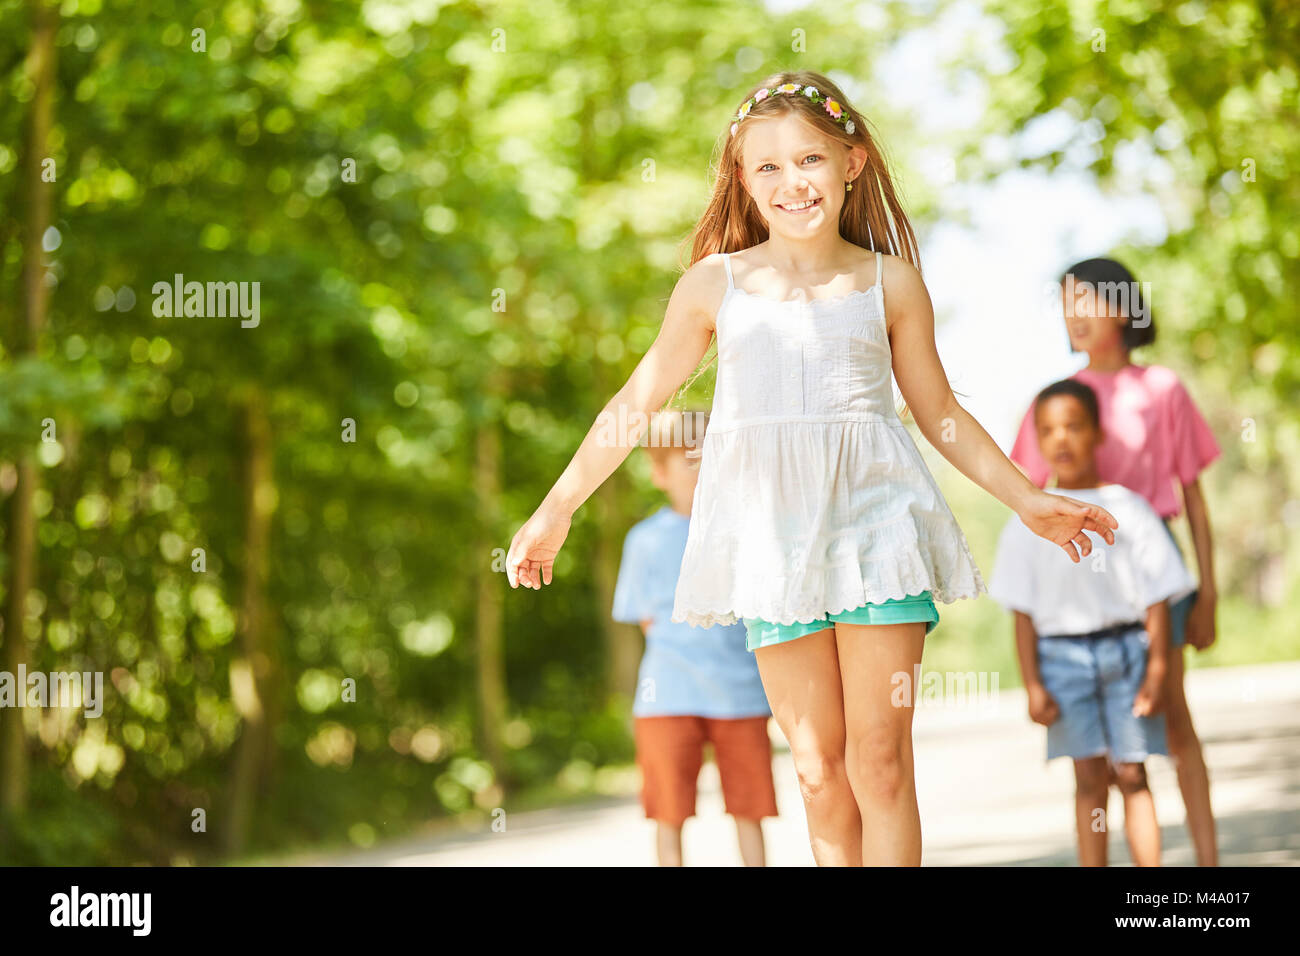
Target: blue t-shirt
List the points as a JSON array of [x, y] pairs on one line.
[[700, 671]]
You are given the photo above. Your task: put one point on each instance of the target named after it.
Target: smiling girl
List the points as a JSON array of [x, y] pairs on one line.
[[815, 520]]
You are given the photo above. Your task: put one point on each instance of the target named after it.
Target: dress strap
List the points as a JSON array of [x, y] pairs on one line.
[[880, 261], [726, 261]]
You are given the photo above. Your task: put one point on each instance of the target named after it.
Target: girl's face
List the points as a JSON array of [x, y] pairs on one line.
[[1092, 323], [796, 174]]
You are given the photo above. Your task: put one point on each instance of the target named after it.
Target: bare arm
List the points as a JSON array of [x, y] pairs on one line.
[[622, 423], [1043, 709], [682, 341], [959, 437], [1157, 627], [1150, 696], [1027, 649], [1198, 518]]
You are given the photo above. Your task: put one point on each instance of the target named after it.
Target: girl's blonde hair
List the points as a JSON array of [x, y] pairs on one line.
[[872, 216]]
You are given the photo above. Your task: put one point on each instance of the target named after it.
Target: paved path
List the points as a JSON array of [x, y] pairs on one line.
[[987, 796]]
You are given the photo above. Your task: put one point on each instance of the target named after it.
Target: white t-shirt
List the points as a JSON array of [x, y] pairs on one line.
[[1112, 585]]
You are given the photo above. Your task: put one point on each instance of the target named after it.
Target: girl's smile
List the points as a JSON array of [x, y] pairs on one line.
[[800, 208]]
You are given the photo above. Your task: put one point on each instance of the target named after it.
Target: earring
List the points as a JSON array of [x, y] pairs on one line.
[[848, 188]]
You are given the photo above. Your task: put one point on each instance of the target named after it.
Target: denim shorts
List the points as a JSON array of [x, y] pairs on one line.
[[1094, 681], [904, 610], [1179, 610]]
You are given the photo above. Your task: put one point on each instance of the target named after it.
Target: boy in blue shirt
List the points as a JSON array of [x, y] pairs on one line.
[[1092, 637], [695, 684]]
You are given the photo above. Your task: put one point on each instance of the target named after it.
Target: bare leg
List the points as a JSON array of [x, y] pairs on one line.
[[1092, 793], [668, 842], [1185, 751], [750, 835], [1140, 825], [878, 722], [802, 681]]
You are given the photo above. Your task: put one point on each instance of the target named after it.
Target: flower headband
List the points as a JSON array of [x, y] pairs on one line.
[[836, 111]]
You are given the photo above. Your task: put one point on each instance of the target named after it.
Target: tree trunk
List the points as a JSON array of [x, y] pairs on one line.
[[20, 537], [21, 544], [490, 674], [251, 678], [623, 642]]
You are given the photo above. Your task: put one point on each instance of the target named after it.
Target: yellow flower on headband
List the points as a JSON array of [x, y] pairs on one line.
[[833, 108]]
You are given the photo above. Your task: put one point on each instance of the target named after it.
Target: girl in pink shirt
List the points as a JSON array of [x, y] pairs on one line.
[[1155, 439]]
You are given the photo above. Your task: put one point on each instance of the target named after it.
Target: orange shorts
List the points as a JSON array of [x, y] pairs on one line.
[[670, 752]]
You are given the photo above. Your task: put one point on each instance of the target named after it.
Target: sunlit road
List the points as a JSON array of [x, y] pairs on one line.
[[987, 796]]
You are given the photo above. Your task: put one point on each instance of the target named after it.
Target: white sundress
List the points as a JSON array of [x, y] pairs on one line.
[[812, 497]]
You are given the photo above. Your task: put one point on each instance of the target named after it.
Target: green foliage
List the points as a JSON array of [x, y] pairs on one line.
[[1195, 104], [500, 260]]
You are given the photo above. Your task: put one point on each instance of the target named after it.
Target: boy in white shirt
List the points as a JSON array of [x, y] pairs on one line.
[[1092, 637]]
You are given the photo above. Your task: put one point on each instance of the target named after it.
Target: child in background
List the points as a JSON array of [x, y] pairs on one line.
[[1156, 440], [1092, 637], [694, 684]]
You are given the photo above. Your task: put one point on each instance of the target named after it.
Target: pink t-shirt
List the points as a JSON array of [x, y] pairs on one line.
[[1154, 435]]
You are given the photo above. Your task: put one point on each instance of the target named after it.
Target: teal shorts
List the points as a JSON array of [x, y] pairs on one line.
[[906, 610]]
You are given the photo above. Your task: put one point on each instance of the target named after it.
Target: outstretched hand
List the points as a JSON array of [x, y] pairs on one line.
[[531, 557], [1063, 521]]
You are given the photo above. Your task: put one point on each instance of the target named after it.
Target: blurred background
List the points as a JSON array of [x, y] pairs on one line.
[[282, 544]]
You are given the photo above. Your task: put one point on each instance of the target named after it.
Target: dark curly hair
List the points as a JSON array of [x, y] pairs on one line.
[[1075, 389]]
